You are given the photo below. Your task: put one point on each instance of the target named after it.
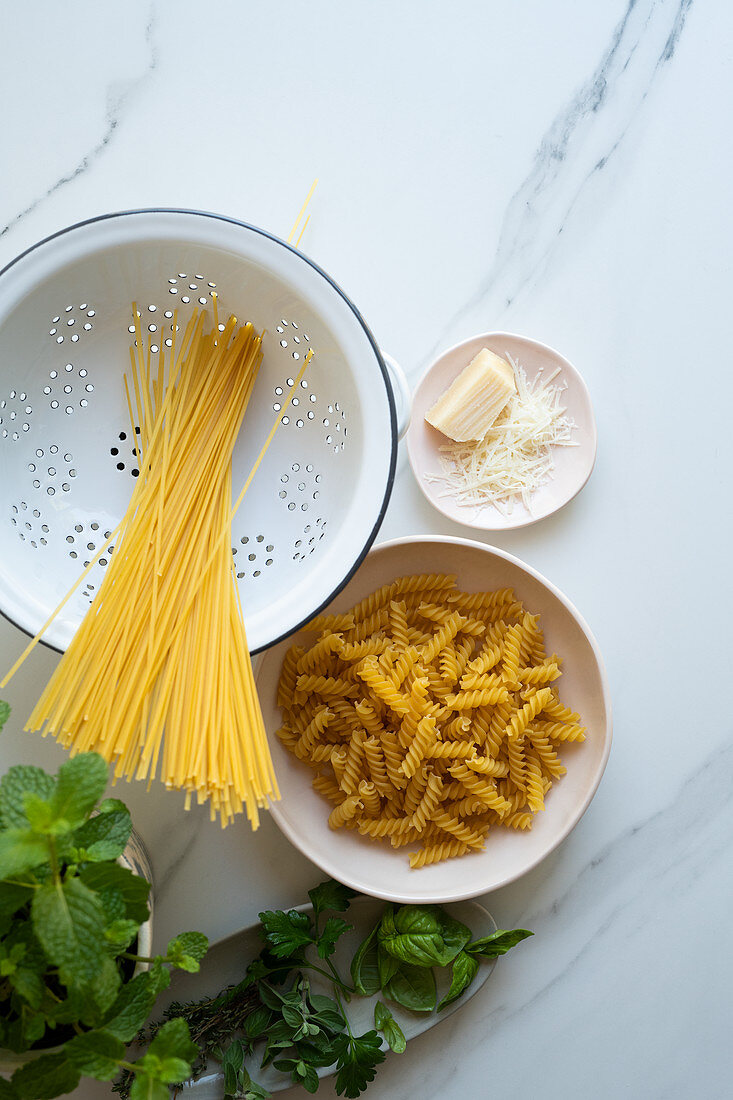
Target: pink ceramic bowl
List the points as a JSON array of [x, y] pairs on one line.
[[573, 465]]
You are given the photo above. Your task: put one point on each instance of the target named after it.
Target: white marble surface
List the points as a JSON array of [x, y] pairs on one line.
[[559, 170]]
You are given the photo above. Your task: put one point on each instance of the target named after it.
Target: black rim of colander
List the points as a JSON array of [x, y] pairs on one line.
[[367, 332]]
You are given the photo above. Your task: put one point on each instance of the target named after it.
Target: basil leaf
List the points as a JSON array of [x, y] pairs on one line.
[[412, 987], [364, 966], [387, 966], [465, 969], [385, 1022], [424, 935], [498, 943]]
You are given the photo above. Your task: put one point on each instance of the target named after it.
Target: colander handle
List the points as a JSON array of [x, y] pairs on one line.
[[402, 393]]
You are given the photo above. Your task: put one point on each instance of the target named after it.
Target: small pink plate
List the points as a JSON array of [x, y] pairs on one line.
[[573, 465]]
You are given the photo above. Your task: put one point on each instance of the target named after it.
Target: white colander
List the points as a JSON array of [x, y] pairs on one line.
[[66, 454]]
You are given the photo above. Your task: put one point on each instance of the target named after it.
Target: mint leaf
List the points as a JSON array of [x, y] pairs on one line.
[[131, 1008], [333, 929], [113, 904], [69, 923], [286, 933], [174, 1070], [168, 1058], [7, 1092], [80, 784], [41, 816], [147, 1088], [100, 993], [21, 850], [330, 895], [357, 1063], [465, 969], [107, 805], [45, 1077], [364, 966], [4, 712], [105, 835], [498, 943], [159, 976], [13, 896], [95, 1054], [385, 1022], [28, 984], [412, 987], [132, 888], [120, 933], [14, 784], [187, 950], [174, 1041]]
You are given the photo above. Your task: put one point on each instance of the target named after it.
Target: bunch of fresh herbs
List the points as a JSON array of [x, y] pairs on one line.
[[275, 1012], [69, 921]]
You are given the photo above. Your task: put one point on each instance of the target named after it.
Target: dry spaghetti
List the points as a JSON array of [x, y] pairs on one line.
[[158, 676]]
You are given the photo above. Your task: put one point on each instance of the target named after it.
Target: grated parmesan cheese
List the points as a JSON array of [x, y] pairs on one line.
[[514, 458]]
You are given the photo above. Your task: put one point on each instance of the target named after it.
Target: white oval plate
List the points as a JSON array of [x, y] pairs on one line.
[[375, 868], [227, 959], [573, 465]]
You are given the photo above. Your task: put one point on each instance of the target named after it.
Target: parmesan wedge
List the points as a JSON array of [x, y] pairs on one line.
[[471, 404], [515, 457]]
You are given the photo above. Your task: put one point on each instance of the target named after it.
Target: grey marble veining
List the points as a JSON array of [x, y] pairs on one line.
[[118, 98], [580, 142]]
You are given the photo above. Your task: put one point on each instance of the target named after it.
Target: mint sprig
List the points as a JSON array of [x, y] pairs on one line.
[[69, 918]]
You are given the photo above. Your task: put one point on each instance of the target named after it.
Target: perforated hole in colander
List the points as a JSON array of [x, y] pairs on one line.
[[253, 554]]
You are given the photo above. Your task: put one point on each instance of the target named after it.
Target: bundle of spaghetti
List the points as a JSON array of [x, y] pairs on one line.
[[158, 676]]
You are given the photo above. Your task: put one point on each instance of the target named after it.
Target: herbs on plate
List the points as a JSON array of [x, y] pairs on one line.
[[71, 978], [275, 1017]]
